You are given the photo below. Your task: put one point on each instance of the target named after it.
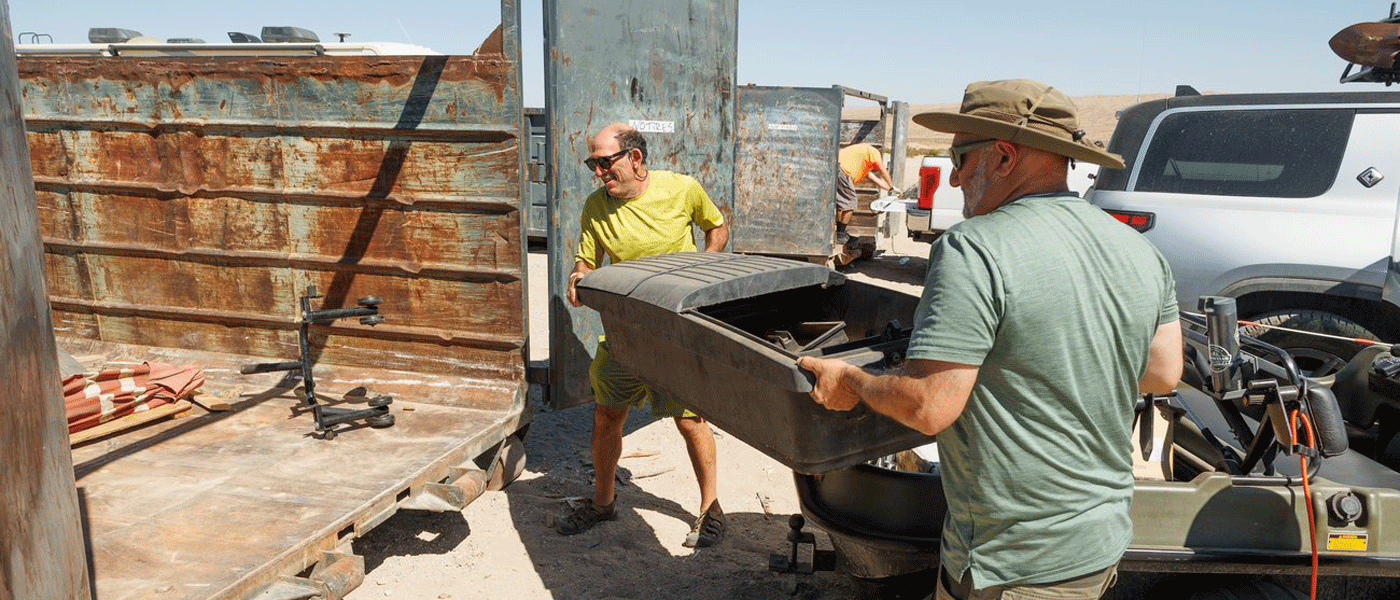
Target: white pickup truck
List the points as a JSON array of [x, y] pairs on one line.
[[934, 205]]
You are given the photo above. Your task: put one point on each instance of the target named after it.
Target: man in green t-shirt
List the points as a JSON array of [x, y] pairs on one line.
[[638, 212], [1042, 319]]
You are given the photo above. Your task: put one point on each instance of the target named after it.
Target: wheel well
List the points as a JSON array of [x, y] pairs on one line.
[[1381, 318]]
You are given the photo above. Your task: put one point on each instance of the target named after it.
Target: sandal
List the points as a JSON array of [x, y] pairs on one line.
[[708, 529], [583, 518]]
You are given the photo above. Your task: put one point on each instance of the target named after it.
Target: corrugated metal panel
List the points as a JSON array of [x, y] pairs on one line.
[[785, 170], [669, 65], [537, 180], [41, 542], [188, 203]]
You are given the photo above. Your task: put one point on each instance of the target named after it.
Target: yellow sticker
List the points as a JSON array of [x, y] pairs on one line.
[[1347, 542]]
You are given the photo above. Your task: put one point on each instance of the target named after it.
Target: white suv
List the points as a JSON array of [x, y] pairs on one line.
[[1286, 202]]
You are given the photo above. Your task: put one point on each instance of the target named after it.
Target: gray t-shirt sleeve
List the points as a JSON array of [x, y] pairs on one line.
[[1169, 309], [962, 304]]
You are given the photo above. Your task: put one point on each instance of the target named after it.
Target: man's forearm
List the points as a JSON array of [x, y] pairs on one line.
[[924, 395], [929, 404], [716, 238]]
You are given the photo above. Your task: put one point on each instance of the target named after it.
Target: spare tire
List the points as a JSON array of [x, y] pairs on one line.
[[1316, 356], [1246, 587]]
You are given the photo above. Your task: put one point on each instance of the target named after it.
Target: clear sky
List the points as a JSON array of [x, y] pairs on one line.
[[918, 51]]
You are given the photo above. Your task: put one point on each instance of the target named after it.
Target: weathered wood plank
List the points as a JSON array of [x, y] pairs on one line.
[[129, 421]]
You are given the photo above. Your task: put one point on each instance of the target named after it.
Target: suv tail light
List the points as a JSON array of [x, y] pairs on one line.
[[1141, 221], [928, 184]]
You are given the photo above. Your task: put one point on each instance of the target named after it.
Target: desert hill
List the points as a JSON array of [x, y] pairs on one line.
[[1097, 116]]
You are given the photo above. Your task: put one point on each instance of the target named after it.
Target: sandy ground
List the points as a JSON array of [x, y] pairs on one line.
[[501, 546]]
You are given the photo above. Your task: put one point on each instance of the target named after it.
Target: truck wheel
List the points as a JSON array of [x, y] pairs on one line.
[[1316, 356]]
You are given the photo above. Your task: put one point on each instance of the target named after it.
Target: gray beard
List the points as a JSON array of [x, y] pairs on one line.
[[973, 188]]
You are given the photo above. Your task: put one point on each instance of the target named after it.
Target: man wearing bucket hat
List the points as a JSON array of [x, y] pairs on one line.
[[1042, 319]]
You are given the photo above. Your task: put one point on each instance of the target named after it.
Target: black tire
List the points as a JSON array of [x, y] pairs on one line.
[[1316, 356], [910, 586], [1238, 587]]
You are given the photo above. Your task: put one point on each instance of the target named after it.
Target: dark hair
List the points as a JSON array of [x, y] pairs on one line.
[[631, 138]]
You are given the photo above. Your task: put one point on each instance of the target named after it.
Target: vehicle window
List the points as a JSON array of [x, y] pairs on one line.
[[1273, 153]]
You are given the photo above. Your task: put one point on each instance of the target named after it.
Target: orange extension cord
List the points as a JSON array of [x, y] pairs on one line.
[[1307, 493]]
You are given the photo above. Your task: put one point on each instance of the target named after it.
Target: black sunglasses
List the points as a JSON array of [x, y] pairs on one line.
[[956, 153], [604, 162]]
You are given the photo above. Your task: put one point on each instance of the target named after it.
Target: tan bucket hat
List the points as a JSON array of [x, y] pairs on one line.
[[1023, 112]]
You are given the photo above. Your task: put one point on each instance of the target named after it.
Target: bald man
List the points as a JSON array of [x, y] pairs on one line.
[[636, 213], [1041, 322]]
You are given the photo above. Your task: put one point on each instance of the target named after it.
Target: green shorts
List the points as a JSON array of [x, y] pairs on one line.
[[615, 387]]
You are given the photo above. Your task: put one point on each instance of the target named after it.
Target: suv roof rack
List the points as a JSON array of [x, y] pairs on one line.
[[1371, 46]]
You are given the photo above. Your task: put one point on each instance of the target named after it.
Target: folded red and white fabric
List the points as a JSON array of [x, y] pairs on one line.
[[94, 398]]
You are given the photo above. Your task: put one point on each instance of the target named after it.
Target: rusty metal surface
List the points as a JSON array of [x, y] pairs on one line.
[[785, 170], [668, 65], [41, 541], [537, 188], [187, 203], [1369, 44]]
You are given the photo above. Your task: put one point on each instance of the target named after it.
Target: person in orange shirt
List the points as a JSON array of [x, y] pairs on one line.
[[858, 162]]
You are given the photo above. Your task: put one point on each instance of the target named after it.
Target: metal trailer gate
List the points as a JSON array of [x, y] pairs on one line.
[[667, 67], [785, 170], [785, 166]]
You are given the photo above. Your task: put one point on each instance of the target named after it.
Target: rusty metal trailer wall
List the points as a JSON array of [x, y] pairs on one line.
[[785, 170], [668, 67], [185, 204], [41, 542], [188, 203]]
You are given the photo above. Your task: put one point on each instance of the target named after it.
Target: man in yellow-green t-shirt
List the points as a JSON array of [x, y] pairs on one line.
[[639, 213]]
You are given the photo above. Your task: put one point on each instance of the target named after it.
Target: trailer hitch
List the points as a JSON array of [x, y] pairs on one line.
[[792, 562], [328, 417]]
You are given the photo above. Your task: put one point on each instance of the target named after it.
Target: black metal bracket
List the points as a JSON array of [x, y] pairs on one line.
[[822, 560], [328, 417]]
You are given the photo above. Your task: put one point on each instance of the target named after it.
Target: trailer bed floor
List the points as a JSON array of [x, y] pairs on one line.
[[222, 504]]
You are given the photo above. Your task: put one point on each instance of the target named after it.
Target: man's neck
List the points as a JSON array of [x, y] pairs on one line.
[[1036, 186], [634, 192]]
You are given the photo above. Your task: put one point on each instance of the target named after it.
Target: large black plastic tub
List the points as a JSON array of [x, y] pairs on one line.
[[721, 333]]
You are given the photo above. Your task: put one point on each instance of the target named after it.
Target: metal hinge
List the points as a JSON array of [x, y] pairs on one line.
[[537, 172]]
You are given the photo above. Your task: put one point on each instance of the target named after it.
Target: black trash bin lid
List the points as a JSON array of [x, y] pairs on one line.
[[689, 280]]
